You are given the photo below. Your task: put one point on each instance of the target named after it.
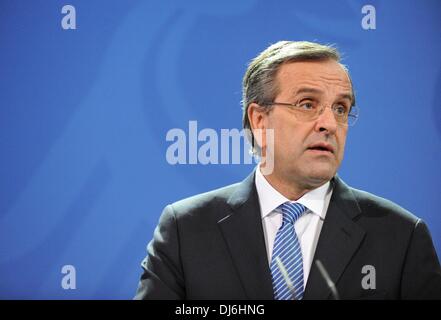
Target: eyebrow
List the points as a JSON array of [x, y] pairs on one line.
[[318, 91]]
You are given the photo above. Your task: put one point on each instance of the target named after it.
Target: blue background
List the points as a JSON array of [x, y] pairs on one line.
[[84, 114]]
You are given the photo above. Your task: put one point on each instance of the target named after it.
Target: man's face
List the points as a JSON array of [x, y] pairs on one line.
[[298, 154]]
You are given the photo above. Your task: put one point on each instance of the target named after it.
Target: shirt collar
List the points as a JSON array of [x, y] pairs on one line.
[[270, 198]]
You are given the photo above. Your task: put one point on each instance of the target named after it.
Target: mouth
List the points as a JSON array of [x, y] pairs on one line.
[[321, 148]]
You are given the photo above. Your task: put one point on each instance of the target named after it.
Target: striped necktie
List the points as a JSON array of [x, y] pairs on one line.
[[287, 261]]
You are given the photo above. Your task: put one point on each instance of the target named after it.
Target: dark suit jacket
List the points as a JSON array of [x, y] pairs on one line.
[[211, 246]]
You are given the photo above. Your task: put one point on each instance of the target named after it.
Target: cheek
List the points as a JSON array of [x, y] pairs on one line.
[[289, 135], [341, 140], [289, 142]]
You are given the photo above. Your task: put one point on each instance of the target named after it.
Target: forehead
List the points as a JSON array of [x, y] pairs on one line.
[[324, 75]]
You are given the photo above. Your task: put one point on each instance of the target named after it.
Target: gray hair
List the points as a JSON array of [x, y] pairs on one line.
[[259, 82]]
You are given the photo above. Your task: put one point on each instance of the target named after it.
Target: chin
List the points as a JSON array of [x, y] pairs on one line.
[[321, 175]]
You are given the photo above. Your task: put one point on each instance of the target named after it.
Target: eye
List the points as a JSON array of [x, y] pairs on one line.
[[341, 109], [307, 105]]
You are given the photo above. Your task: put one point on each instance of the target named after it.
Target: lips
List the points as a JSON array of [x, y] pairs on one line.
[[321, 146]]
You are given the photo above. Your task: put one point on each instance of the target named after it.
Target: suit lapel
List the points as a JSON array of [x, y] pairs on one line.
[[339, 239], [243, 232]]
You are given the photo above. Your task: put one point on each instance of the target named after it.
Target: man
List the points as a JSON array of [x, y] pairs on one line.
[[296, 231]]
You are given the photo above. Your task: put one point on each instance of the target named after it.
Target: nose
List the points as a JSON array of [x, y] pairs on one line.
[[326, 121]]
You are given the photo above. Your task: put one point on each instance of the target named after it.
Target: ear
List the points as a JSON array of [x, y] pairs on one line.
[[258, 117]]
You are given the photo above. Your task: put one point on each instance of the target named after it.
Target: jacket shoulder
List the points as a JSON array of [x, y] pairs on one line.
[[204, 201], [376, 206]]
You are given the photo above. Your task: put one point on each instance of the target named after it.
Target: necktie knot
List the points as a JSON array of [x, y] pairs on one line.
[[292, 211]]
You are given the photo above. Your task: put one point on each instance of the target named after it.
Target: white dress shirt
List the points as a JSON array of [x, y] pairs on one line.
[[307, 227]]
